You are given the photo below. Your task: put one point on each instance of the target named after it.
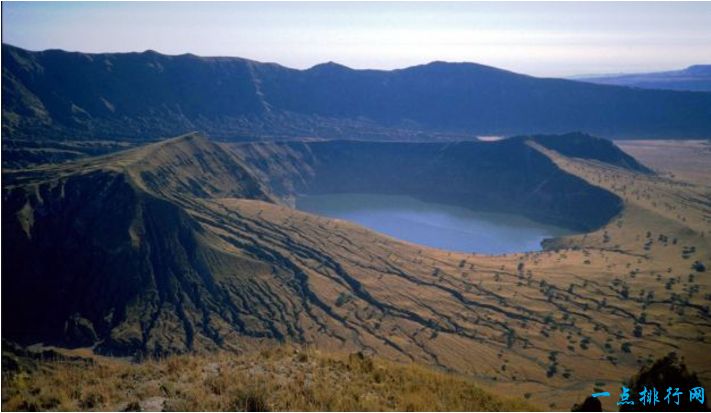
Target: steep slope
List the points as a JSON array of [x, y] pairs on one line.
[[507, 175], [181, 245], [23, 153], [150, 250], [584, 146], [121, 261], [693, 78], [133, 95]]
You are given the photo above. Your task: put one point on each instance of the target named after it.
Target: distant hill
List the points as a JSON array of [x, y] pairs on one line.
[[57, 94], [693, 78]]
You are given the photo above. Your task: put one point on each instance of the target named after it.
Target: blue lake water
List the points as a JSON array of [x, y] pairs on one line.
[[435, 225]]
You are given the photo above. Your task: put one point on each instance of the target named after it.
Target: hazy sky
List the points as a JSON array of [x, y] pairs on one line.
[[547, 39]]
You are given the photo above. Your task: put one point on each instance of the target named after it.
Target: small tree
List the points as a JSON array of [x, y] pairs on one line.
[[666, 372], [591, 404]]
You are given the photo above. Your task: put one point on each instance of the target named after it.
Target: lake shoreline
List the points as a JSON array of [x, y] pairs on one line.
[[432, 224]]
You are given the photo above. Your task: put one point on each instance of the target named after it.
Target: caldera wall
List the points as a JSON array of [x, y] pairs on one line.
[[507, 176]]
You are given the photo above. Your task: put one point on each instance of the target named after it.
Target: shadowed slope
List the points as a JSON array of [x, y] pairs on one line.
[[57, 94], [159, 250], [167, 247], [508, 175], [121, 261], [584, 146]]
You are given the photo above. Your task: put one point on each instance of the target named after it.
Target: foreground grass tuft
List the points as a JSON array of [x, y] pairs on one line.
[[282, 378]]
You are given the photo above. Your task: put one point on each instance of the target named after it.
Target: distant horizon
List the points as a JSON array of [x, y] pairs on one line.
[[535, 38], [569, 77]]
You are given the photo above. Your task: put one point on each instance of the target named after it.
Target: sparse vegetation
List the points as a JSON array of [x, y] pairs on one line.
[[281, 378], [286, 275]]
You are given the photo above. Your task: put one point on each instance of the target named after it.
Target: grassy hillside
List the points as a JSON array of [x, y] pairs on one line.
[[181, 246], [274, 379]]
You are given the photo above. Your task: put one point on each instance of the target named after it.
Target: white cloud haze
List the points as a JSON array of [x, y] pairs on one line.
[[546, 39]]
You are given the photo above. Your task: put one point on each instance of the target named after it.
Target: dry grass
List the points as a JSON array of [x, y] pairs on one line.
[[554, 329], [688, 160], [282, 378]]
